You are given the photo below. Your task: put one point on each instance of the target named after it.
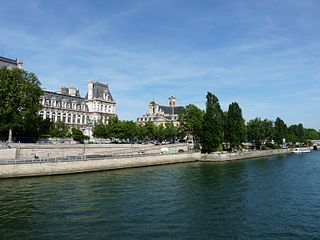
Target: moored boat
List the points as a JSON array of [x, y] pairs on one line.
[[301, 150]]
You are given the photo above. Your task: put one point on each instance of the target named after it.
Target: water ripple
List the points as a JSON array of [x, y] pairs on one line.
[[270, 198]]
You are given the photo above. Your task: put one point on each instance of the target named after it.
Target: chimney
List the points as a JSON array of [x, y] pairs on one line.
[[90, 89]]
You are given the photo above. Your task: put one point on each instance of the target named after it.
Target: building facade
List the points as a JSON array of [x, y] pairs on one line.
[[10, 63], [69, 107], [159, 114]]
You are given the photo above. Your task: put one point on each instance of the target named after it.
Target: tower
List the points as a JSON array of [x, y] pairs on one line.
[[172, 101]]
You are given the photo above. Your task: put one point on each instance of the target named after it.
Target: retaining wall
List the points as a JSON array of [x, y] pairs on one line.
[[221, 157], [7, 154], [40, 169]]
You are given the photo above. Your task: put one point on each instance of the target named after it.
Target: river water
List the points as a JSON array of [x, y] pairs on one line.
[[268, 198]]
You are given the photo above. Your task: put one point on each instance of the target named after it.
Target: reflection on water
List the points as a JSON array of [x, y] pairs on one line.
[[270, 198]]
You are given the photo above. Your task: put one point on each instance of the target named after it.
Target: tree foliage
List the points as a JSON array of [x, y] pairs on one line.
[[260, 131], [20, 92], [60, 130], [296, 133], [77, 135], [191, 121], [280, 130], [129, 130], [212, 127], [234, 127]]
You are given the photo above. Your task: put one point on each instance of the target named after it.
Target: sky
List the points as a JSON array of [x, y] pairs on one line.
[[264, 55]]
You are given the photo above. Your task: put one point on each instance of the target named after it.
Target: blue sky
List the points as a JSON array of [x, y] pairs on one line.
[[265, 55]]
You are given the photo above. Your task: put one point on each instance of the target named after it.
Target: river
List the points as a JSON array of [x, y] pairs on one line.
[[268, 198]]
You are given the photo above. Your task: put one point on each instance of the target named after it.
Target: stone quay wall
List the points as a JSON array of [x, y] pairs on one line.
[[222, 157], [80, 166], [101, 164]]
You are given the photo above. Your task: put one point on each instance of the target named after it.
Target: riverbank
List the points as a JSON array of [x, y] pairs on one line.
[[222, 157], [81, 166], [103, 164]]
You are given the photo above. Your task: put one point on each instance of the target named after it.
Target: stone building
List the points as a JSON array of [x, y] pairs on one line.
[[159, 114], [10, 63], [69, 107]]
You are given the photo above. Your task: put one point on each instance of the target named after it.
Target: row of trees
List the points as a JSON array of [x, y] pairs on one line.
[[131, 131], [214, 129], [59, 130]]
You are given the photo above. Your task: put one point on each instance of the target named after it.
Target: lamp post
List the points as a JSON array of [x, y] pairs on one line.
[[88, 128]]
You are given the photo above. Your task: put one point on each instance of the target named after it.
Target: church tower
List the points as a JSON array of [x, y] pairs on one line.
[[172, 102]]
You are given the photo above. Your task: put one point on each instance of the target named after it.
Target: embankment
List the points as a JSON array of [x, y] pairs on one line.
[[222, 157], [80, 166]]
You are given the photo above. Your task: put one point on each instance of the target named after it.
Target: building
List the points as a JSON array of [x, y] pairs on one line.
[[10, 63], [69, 107], [159, 114]]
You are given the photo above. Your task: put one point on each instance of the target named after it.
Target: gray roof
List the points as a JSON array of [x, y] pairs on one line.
[[98, 91], [59, 97], [171, 110], [6, 62]]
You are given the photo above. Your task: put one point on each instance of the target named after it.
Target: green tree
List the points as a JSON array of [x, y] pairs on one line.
[[311, 134], [59, 130], [170, 132], [280, 130], [129, 130], [20, 92], [77, 135], [190, 121], [260, 131], [212, 127], [45, 127], [235, 129], [140, 132], [268, 134], [150, 130], [159, 133], [99, 130], [296, 133]]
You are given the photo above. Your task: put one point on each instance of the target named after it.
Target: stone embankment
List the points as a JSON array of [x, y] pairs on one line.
[[80, 166], [222, 157], [117, 162], [28, 151]]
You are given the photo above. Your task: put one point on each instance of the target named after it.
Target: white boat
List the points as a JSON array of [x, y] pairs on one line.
[[301, 150]]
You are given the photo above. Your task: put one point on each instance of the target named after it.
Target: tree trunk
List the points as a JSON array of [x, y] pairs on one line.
[[10, 136]]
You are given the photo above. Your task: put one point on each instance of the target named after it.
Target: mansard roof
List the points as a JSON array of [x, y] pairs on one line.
[[99, 89], [171, 110], [59, 97], [7, 62]]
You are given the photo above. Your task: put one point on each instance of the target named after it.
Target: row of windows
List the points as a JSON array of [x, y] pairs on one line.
[[66, 105], [78, 107], [68, 118], [102, 108], [145, 119]]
